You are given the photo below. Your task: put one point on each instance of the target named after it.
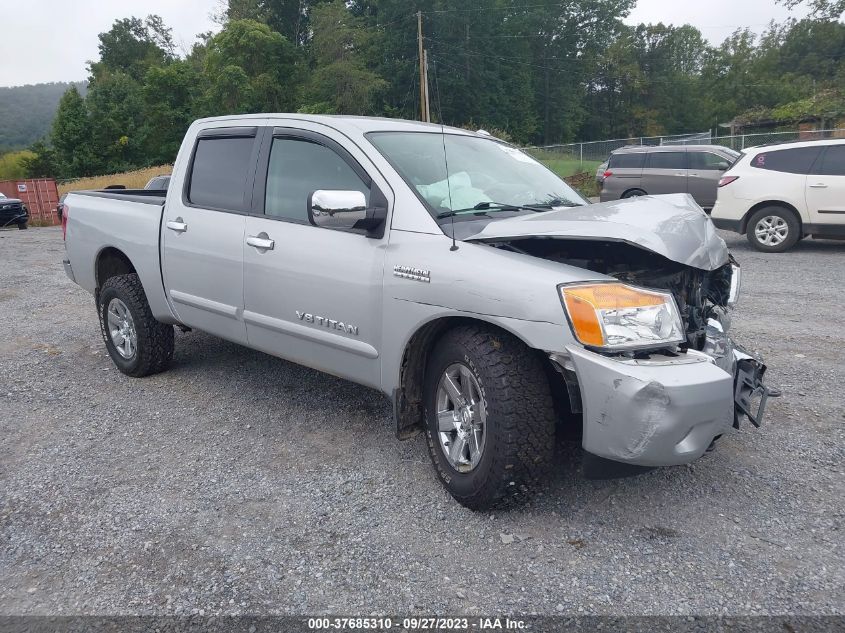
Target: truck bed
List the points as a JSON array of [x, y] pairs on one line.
[[128, 220]]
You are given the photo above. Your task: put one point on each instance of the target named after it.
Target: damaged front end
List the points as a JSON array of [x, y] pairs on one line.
[[704, 298], [650, 405]]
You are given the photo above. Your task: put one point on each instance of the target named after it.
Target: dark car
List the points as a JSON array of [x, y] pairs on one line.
[[13, 211]]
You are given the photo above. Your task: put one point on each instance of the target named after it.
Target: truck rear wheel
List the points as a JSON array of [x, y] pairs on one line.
[[490, 418], [137, 343]]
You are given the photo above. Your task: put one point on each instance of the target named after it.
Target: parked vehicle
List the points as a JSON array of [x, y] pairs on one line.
[[60, 208], [13, 212], [779, 194], [486, 297], [159, 183], [600, 173], [643, 170]]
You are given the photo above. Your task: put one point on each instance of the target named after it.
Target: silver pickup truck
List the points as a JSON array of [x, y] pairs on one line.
[[491, 302]]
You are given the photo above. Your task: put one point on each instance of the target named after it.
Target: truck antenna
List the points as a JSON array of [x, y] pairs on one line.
[[454, 246]]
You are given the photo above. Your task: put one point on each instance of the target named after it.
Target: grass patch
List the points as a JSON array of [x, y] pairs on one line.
[[130, 179], [566, 167]]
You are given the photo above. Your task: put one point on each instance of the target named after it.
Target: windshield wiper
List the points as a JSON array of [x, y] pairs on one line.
[[482, 208], [552, 204]]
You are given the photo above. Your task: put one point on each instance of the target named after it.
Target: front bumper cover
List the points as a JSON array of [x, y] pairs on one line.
[[665, 410]]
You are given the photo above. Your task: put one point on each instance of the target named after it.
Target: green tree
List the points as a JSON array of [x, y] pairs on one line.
[[72, 137], [342, 81], [169, 95], [132, 46], [249, 68], [42, 161], [824, 9], [116, 105]]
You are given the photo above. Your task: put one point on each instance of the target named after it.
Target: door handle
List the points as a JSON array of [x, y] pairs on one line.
[[177, 225], [261, 243], [693, 175], [819, 185]]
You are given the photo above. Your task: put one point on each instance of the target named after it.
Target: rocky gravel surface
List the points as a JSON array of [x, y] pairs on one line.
[[238, 483]]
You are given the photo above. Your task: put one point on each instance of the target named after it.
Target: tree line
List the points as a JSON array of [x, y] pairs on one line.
[[535, 71]]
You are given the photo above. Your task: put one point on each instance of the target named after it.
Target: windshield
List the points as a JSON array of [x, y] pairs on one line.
[[485, 176]]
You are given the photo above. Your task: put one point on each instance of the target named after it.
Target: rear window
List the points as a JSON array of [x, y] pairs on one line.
[[667, 160], [790, 161], [833, 162], [219, 174], [626, 161]]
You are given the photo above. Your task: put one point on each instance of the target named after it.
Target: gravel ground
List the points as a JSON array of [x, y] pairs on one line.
[[239, 483]]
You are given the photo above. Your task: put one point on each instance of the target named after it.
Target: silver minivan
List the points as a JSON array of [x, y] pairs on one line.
[[643, 170]]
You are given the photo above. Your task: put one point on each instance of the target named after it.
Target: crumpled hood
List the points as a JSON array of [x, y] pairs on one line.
[[671, 225]]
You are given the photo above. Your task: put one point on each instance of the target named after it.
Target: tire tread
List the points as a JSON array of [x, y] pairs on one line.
[[519, 396], [155, 339]]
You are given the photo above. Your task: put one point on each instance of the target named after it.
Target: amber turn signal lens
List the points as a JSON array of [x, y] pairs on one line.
[[587, 305]]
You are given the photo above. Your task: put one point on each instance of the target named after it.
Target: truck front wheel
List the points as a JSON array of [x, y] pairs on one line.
[[137, 343], [490, 418]]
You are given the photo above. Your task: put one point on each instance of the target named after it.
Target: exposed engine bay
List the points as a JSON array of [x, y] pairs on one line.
[[700, 294]]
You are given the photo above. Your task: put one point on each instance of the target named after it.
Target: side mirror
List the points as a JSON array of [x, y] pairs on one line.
[[723, 166], [346, 210]]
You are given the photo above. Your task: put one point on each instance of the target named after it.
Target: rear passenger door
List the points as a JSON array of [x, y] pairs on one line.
[[826, 188], [313, 295], [665, 172], [705, 170], [203, 232]]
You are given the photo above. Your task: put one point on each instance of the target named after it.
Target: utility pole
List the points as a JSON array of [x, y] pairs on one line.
[[427, 99], [424, 111], [422, 65]]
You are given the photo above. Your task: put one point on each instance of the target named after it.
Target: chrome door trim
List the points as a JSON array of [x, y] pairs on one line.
[[204, 304], [329, 339]]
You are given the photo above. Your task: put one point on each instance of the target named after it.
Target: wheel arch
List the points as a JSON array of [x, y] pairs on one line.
[[408, 395], [771, 203], [111, 262]]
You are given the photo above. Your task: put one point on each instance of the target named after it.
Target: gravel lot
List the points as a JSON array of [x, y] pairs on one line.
[[239, 483]]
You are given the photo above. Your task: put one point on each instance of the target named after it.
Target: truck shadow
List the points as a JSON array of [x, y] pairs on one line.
[[252, 383]]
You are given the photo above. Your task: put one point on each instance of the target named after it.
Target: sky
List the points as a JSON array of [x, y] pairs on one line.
[[716, 19], [52, 40]]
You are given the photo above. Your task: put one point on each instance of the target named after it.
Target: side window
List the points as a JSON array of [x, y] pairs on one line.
[[219, 173], [707, 161], [633, 160], [833, 162], [667, 160], [299, 167], [790, 161]]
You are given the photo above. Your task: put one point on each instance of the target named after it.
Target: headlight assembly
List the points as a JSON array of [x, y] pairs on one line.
[[616, 316]]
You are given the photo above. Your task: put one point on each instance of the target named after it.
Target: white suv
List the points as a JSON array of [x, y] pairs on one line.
[[778, 194]]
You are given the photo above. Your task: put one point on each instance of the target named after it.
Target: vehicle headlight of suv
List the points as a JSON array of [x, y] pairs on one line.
[[618, 317]]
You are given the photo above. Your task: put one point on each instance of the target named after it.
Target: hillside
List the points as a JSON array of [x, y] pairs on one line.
[[26, 112]]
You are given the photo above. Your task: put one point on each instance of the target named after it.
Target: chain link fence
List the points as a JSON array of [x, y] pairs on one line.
[[573, 158]]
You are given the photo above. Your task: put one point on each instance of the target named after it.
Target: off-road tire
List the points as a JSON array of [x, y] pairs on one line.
[[155, 339], [520, 426], [23, 226], [793, 229]]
